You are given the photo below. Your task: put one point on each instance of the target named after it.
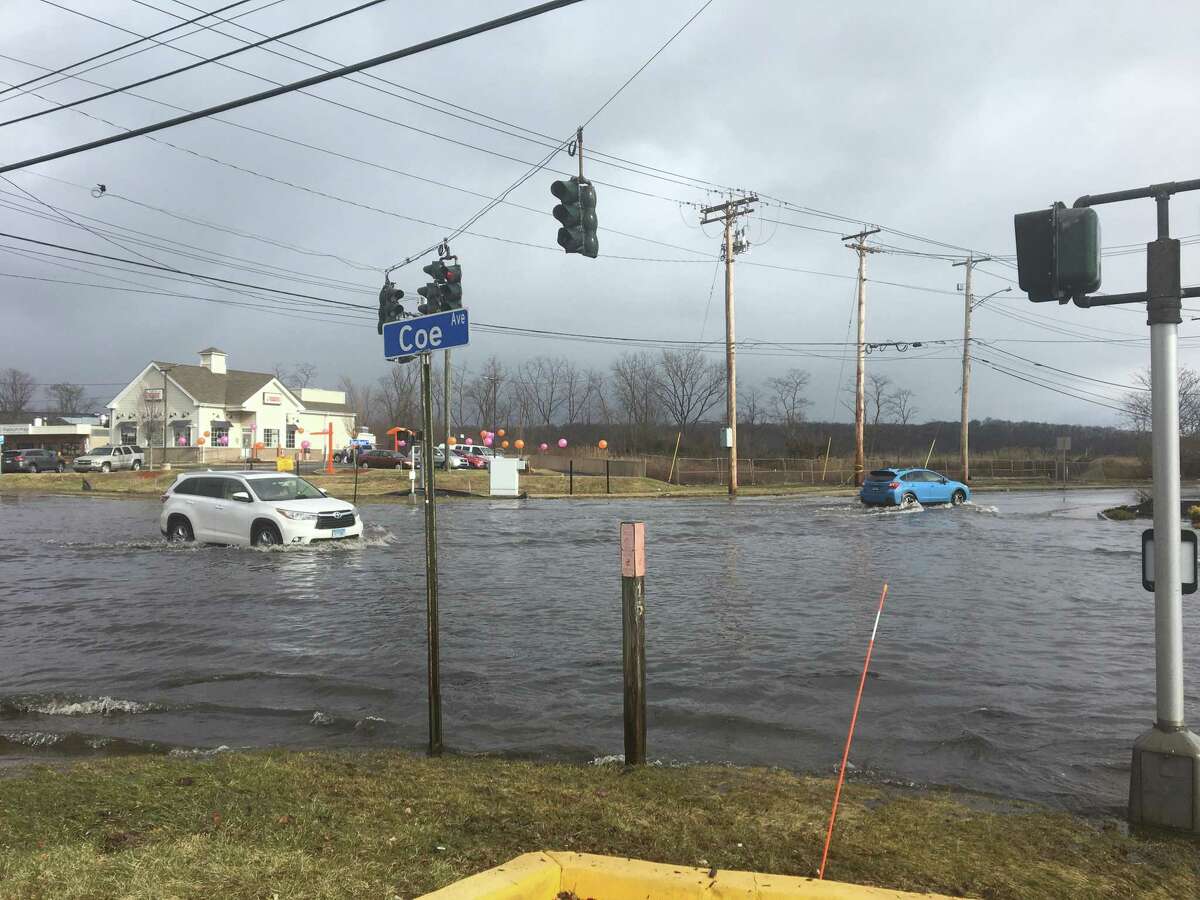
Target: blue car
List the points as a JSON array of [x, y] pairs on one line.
[[906, 487]]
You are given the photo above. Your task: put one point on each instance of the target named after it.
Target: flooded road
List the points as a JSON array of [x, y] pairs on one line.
[[1015, 654]]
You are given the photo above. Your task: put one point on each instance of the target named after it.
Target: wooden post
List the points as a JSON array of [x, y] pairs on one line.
[[571, 471], [825, 467], [633, 638], [607, 478]]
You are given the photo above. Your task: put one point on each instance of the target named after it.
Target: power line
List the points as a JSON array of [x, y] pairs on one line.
[[202, 62], [1048, 387], [412, 50], [124, 46]]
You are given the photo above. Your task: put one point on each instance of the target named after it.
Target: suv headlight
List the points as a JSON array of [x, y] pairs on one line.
[[296, 516]]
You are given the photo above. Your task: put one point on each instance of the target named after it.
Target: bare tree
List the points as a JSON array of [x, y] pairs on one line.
[[788, 403], [635, 392], [398, 396], [688, 385], [752, 412], [68, 399], [598, 408], [579, 392], [298, 378], [150, 419], [360, 398], [541, 382], [1137, 411], [16, 390], [900, 406]]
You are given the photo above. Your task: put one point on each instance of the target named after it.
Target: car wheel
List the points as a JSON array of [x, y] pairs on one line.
[[33, 469], [136, 465], [266, 536], [106, 468], [180, 531], [959, 498], [909, 499], [399, 465], [60, 468]]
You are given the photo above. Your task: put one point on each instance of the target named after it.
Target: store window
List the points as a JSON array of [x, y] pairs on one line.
[[128, 432], [220, 436], [270, 437], [291, 437]]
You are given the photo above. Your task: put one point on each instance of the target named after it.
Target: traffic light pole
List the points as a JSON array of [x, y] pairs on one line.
[[1164, 784], [431, 570]]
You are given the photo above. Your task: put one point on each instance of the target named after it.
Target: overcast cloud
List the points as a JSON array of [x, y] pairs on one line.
[[938, 119]]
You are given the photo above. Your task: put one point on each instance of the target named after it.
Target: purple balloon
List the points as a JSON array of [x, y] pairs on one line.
[[562, 442], [304, 445], [404, 443], [487, 442]]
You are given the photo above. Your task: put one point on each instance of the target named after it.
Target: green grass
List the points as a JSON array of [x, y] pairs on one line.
[[389, 824]]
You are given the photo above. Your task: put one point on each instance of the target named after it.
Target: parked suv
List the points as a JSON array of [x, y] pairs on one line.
[[260, 509], [32, 459], [110, 459]]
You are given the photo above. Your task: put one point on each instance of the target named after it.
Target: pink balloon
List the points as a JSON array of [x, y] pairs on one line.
[[544, 447], [562, 442], [304, 445], [470, 441], [404, 443], [487, 441]]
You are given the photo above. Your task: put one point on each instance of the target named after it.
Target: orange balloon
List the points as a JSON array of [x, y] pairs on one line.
[[258, 446], [483, 433], [200, 441], [206, 434], [520, 445], [499, 432], [603, 445], [504, 444], [452, 440]]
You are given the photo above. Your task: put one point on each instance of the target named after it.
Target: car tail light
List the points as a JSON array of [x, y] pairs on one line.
[[893, 485], [20, 459]]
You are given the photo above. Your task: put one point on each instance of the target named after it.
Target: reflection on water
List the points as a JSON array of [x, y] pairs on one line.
[[1015, 653]]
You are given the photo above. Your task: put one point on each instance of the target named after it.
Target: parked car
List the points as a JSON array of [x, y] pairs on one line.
[[906, 487], [383, 459], [486, 454], [32, 459], [260, 509], [111, 459], [469, 459], [439, 459]]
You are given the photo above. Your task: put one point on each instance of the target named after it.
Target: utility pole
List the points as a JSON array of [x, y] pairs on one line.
[[968, 265], [860, 405], [727, 213]]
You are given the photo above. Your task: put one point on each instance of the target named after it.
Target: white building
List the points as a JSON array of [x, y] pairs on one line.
[[216, 407]]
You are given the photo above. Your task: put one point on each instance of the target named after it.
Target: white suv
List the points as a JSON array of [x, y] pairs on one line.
[[259, 509]]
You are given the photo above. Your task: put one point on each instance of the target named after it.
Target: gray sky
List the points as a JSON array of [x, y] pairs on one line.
[[936, 119]]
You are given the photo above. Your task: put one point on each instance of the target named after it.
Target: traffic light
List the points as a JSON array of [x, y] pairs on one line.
[[389, 304], [1058, 252], [576, 212], [444, 293]]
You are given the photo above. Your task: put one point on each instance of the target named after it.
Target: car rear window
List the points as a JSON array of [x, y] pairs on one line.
[[882, 475]]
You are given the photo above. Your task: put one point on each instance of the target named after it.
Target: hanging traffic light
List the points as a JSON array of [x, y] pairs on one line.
[[389, 304], [445, 291], [576, 212], [1058, 252]]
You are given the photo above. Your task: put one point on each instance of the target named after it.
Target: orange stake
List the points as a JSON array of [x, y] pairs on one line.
[[850, 735]]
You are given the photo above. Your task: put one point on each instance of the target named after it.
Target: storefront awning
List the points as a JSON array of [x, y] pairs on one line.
[[220, 423], [181, 423]]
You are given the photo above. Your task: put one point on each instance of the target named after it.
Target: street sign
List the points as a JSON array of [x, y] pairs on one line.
[[439, 331]]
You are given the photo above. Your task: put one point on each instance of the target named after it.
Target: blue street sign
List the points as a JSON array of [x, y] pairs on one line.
[[439, 331]]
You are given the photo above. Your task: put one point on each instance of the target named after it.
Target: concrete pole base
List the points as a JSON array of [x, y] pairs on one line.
[[1164, 782]]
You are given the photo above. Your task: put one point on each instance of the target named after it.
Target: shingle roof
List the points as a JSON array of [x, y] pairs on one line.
[[231, 389]]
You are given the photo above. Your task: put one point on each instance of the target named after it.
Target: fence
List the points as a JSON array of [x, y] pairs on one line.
[[783, 470]]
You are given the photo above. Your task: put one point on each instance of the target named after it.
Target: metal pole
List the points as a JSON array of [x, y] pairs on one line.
[[164, 421], [860, 367], [446, 405], [431, 577], [730, 355], [1168, 606], [633, 638]]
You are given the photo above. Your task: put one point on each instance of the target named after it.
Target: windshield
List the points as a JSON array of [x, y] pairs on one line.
[[101, 451], [284, 488]]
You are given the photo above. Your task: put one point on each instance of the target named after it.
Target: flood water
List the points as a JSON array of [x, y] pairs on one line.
[[1015, 654]]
